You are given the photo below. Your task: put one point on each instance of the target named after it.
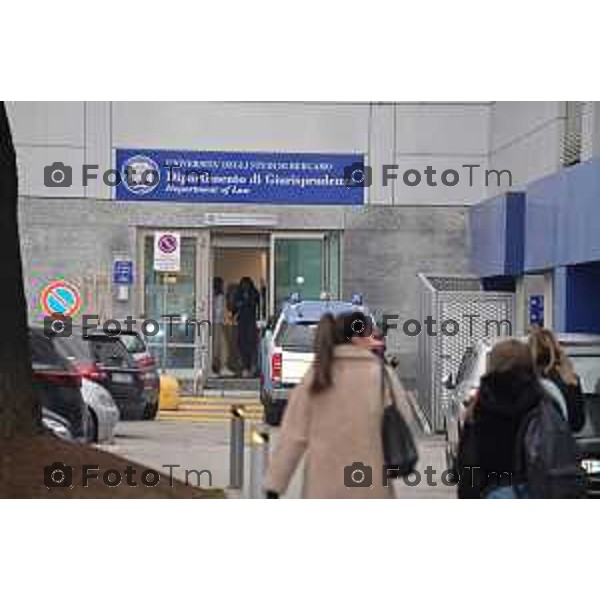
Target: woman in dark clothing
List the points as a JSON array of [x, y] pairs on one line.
[[508, 392], [246, 305], [551, 362]]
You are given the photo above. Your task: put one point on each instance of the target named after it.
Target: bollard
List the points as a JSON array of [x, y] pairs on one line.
[[236, 448], [259, 459]]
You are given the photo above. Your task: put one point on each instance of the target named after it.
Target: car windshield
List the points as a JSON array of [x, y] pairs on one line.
[[74, 349], [588, 369], [110, 352], [299, 337], [133, 343]]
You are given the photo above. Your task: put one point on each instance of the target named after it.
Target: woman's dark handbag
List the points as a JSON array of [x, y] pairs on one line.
[[399, 449]]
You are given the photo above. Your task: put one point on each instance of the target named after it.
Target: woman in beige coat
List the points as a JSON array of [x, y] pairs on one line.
[[334, 418]]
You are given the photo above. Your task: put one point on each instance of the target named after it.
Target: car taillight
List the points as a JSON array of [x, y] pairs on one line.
[[59, 378], [145, 362], [276, 368], [92, 372]]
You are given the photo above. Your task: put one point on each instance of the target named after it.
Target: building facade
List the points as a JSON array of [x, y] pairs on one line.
[[509, 153]]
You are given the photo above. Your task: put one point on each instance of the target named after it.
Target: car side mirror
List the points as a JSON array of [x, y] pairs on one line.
[[448, 382]]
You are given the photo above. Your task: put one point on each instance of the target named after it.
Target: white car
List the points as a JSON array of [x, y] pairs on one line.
[[287, 349], [103, 413]]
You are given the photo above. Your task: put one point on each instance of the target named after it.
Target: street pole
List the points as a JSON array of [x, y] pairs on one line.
[[165, 294], [236, 448], [259, 459]]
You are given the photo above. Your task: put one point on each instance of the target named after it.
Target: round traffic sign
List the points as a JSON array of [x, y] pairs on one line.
[[60, 297], [167, 243]]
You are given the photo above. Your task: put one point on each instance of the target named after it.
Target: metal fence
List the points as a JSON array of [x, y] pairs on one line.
[[479, 314]]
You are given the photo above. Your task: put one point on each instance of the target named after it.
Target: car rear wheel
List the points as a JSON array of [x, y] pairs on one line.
[[151, 412], [273, 414]]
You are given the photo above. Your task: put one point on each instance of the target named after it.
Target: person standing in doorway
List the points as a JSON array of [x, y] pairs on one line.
[[220, 353], [246, 307]]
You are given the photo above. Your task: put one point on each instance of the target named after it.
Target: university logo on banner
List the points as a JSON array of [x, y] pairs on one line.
[[167, 251]]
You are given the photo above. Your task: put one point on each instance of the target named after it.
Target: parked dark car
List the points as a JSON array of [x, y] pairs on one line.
[[136, 346], [104, 359], [57, 383]]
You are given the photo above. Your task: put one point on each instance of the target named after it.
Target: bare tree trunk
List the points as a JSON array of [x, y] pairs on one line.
[[19, 406]]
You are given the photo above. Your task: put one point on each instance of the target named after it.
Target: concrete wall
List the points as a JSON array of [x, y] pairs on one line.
[[413, 135], [525, 138], [385, 248]]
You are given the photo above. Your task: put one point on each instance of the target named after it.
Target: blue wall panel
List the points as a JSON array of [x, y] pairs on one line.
[[487, 222], [583, 292], [497, 235], [562, 220], [515, 233], [541, 203], [578, 216]]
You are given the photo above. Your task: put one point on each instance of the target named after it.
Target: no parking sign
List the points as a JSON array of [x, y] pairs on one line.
[[167, 251], [60, 297]]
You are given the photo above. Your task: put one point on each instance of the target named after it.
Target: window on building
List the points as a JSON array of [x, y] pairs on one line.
[[571, 147]]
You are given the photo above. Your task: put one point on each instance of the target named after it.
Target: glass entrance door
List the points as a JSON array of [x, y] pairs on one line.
[[308, 264], [179, 302]]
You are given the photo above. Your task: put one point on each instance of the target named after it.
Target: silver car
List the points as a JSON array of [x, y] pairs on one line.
[[102, 411]]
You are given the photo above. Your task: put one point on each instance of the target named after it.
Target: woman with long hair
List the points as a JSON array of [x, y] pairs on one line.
[[334, 416], [552, 363]]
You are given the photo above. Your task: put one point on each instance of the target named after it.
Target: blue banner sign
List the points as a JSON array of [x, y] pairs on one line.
[[241, 177]]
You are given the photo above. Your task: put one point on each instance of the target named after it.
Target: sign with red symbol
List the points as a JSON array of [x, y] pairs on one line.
[[167, 251], [60, 297]]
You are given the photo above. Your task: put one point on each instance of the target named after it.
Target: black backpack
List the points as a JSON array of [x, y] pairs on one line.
[[546, 454]]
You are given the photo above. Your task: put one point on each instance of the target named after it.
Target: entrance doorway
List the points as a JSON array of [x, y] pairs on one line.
[[278, 264], [230, 265]]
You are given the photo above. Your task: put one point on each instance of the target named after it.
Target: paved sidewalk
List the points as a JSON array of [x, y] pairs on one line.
[[205, 445]]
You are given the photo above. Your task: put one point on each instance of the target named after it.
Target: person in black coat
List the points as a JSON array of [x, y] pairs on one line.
[[487, 449], [551, 362], [246, 306]]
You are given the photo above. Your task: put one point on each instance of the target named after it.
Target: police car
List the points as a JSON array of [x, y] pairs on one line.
[[287, 349]]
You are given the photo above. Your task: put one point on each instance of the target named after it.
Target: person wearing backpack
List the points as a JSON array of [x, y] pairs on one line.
[[559, 378], [507, 394], [515, 441]]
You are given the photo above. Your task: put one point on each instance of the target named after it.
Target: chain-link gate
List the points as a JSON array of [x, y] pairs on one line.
[[478, 314]]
